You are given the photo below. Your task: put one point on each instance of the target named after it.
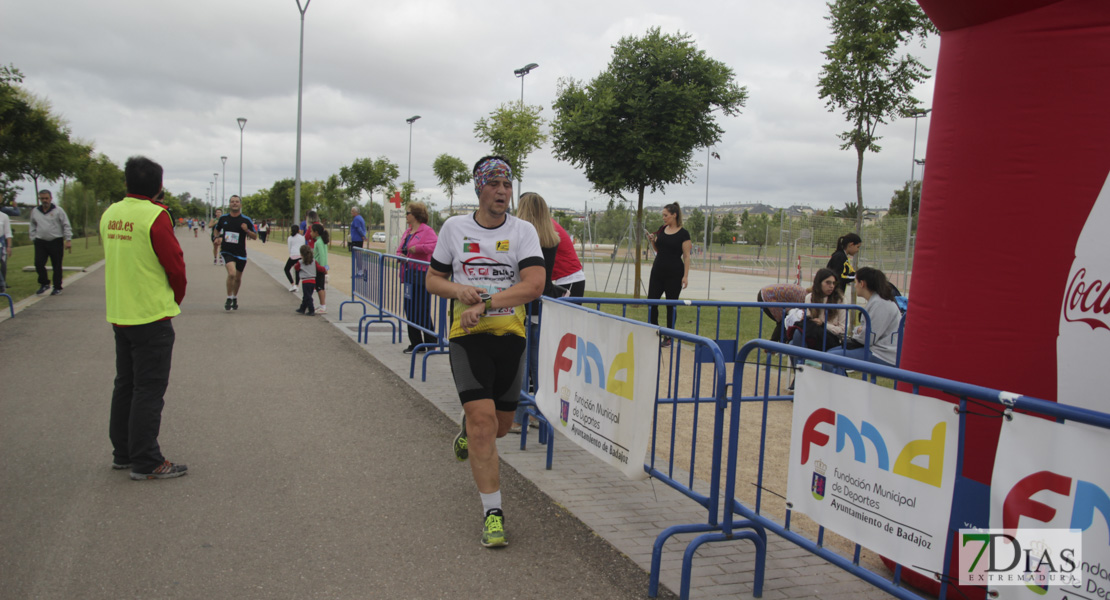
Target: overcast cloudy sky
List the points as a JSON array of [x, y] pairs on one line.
[[168, 79]]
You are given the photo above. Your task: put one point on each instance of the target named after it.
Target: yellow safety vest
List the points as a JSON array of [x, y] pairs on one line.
[[135, 285]]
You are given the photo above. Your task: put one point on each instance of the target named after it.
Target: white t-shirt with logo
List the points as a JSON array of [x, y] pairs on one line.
[[490, 259]]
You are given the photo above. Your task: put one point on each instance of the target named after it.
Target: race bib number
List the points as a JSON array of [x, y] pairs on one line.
[[231, 237]]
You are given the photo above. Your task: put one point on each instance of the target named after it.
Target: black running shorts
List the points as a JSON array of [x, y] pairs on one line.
[[488, 366], [240, 263]]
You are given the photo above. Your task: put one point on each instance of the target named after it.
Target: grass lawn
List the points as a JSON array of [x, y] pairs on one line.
[[710, 322], [22, 284]]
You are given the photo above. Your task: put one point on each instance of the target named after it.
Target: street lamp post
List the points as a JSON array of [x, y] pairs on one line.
[[242, 123], [916, 114], [521, 72], [223, 188], [410, 121], [300, 86], [215, 178], [709, 153]]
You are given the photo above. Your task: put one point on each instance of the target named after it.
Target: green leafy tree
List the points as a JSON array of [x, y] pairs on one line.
[[258, 204], [366, 175], [564, 220], [513, 131], [851, 211], [728, 228], [613, 224], [636, 125], [694, 222], [34, 143], [755, 232], [174, 205], [452, 173], [865, 75], [901, 199], [334, 199], [312, 198], [99, 183], [280, 199], [375, 215]]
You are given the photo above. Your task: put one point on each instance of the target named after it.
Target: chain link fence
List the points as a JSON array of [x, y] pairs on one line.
[[792, 249]]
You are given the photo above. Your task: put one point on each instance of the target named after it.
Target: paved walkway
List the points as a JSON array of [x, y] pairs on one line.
[[628, 514], [314, 472], [317, 469]]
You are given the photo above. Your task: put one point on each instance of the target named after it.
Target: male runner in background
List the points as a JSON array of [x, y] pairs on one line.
[[232, 230], [215, 244], [490, 265]]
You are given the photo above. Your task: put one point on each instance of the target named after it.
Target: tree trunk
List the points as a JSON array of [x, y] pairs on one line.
[[859, 209], [639, 237]]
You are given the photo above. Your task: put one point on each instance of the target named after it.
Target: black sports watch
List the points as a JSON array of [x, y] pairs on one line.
[[488, 299]]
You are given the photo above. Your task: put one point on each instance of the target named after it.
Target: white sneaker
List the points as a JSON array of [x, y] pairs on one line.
[[323, 310], [293, 289]]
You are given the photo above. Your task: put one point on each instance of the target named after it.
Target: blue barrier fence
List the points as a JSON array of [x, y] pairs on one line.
[[391, 290], [746, 319], [709, 379]]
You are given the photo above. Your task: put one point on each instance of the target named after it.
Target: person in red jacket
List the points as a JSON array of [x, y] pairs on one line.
[[567, 272]]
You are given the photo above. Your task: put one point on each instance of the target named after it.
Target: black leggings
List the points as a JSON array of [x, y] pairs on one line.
[[664, 281], [289, 264]]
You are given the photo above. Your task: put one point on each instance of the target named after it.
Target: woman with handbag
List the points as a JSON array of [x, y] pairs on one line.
[[417, 243]]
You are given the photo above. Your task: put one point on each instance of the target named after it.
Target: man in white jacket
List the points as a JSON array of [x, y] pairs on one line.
[[51, 235]]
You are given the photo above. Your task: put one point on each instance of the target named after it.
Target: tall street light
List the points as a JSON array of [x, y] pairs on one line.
[[215, 178], [223, 188], [709, 153], [242, 124], [917, 113], [521, 72], [410, 121], [300, 85]]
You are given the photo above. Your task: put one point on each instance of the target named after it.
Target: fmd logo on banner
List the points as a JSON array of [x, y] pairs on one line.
[[598, 375], [1051, 476], [874, 465], [1035, 558]]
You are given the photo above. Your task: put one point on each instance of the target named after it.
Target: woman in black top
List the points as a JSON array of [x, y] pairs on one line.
[[840, 262], [671, 270]]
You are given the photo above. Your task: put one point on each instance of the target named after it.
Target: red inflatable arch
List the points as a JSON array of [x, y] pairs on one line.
[[1018, 153]]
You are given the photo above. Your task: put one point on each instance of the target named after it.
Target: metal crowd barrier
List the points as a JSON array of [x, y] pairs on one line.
[[748, 318], [748, 521], [393, 288]]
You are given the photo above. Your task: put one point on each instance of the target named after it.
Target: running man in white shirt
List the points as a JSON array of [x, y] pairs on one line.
[[489, 264]]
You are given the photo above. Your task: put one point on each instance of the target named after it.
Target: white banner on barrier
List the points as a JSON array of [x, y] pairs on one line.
[[1049, 475], [875, 465], [597, 380]]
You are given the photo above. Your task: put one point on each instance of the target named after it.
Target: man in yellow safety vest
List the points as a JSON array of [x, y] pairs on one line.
[[144, 283]]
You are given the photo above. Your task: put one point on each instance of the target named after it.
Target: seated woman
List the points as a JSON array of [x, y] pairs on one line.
[[816, 334], [779, 292], [871, 285]]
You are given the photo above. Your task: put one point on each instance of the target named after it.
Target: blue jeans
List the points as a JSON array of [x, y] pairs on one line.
[[856, 353]]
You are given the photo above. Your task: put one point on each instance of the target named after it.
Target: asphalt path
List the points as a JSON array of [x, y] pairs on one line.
[[314, 472]]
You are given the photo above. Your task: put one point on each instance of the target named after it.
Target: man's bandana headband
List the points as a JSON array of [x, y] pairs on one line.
[[488, 171]]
